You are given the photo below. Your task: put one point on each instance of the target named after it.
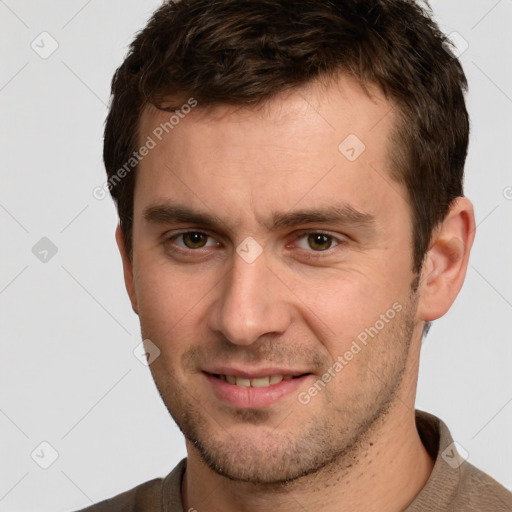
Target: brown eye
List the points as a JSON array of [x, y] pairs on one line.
[[194, 239], [319, 241]]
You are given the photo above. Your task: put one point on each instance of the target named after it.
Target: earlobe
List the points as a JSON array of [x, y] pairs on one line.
[[127, 268], [447, 260]]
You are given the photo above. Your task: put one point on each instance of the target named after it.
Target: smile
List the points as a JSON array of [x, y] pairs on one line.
[[258, 382], [256, 392]]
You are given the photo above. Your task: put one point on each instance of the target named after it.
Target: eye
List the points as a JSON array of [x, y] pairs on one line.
[[317, 241], [194, 240]]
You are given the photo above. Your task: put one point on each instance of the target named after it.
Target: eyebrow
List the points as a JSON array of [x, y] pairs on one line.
[[344, 214]]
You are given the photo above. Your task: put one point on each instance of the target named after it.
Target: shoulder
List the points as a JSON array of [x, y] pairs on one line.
[[454, 484], [479, 491], [146, 497]]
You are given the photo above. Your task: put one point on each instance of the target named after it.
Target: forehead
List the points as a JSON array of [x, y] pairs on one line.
[[336, 103], [324, 142]]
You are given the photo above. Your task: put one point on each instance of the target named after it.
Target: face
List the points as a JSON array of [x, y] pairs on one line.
[[273, 272]]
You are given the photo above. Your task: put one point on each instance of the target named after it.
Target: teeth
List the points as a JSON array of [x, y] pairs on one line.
[[258, 382], [240, 381], [262, 382], [276, 379]]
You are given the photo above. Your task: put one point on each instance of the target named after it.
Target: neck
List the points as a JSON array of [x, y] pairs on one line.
[[386, 477]]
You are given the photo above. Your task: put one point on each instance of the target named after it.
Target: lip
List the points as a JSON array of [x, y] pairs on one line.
[[254, 374], [254, 397]]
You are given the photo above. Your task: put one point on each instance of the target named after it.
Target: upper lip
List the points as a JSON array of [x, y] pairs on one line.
[[253, 373]]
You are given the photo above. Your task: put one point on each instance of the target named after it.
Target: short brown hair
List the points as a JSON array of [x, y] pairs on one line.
[[243, 52]]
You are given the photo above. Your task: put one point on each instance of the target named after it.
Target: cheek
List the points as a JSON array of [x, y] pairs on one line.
[[338, 305], [163, 299]]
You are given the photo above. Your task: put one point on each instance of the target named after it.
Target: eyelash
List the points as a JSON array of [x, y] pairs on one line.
[[312, 253]]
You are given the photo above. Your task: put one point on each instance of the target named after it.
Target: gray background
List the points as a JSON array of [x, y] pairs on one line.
[[68, 375]]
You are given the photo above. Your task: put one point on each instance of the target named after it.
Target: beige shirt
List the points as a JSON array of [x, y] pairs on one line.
[[454, 484]]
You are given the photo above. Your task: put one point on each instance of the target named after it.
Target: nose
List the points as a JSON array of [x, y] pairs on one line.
[[252, 303]]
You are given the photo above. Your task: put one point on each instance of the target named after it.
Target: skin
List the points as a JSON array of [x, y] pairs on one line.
[[299, 304]]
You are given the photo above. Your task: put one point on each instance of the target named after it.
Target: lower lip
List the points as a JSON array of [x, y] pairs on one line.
[[254, 398]]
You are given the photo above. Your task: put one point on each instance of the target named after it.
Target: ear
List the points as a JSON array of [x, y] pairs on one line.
[[447, 260], [127, 268]]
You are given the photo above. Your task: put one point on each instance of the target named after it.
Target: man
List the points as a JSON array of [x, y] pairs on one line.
[[288, 177]]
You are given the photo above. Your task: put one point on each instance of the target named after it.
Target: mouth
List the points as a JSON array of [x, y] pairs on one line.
[[256, 382], [255, 391]]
